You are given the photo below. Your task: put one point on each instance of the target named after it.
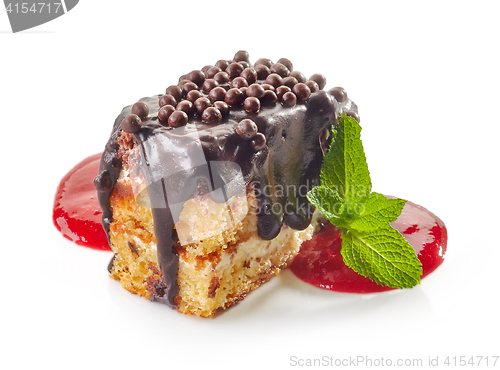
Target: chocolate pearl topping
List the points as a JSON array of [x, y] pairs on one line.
[[201, 104], [251, 104], [186, 106], [313, 86], [217, 94], [164, 113], [289, 99], [222, 107], [131, 123], [178, 119], [250, 75], [302, 91], [212, 72], [259, 142], [274, 79], [286, 63], [319, 79], [269, 97], [262, 71], [282, 90], [244, 64], [206, 68], [241, 55], [280, 69], [239, 82], [221, 77], [255, 90], [211, 115], [234, 70], [264, 61], [246, 128], [167, 99], [339, 94], [140, 109], [208, 85], [299, 76], [290, 81], [175, 91], [234, 97], [198, 77], [222, 64], [188, 86], [193, 95]]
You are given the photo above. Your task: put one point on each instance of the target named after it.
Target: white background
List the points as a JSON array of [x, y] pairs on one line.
[[426, 79]]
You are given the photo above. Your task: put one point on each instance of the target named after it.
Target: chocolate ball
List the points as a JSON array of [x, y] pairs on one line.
[[234, 70], [262, 71], [319, 79], [339, 94], [241, 56], [178, 118], [255, 90], [246, 128], [269, 97], [282, 90], [131, 123], [140, 109], [268, 87], [222, 77], [198, 77], [208, 85], [290, 82], [222, 64], [299, 76], [188, 86], [167, 99], [251, 104], [264, 61], [222, 107], [175, 91], [250, 75], [286, 63], [280, 69], [239, 82], [244, 64], [353, 114], [206, 68], [201, 104], [234, 97], [212, 72], [259, 142], [313, 86], [289, 99], [217, 94], [274, 79], [193, 95], [102, 182], [164, 113], [211, 115], [301, 91], [186, 106]]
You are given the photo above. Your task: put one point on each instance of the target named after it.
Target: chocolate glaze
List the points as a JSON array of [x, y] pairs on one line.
[[174, 160]]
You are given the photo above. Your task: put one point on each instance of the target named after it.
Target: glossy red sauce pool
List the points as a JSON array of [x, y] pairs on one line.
[[320, 263], [76, 212]]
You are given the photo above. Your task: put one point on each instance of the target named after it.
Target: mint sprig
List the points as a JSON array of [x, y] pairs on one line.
[[370, 246]]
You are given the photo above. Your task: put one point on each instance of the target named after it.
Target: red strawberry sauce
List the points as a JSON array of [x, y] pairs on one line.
[[76, 212], [320, 263], [77, 216]]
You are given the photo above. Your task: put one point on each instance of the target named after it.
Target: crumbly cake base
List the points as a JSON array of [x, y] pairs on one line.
[[214, 272]]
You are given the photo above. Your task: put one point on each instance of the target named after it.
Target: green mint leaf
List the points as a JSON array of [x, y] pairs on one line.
[[344, 166], [382, 255], [329, 203], [376, 211]]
